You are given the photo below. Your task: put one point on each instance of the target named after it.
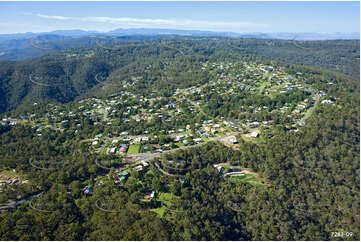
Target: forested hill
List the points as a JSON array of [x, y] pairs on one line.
[[334, 55], [103, 69]]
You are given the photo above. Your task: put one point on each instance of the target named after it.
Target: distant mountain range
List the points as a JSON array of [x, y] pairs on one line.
[[148, 31], [25, 46]]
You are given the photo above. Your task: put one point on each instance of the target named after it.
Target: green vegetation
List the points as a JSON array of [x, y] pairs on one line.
[[160, 211], [250, 178], [226, 168], [166, 197], [180, 144], [311, 167], [63, 79], [134, 149]]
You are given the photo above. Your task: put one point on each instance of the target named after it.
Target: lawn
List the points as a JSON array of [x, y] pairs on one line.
[[179, 144], [226, 168], [104, 151], [220, 133], [166, 197], [134, 149], [150, 172], [205, 139], [44, 123], [160, 211], [257, 140], [251, 179]]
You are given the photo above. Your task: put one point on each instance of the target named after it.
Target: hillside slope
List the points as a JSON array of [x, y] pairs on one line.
[[157, 65]]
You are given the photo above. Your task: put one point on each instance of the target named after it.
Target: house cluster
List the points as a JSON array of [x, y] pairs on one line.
[[11, 121], [10, 180], [121, 176], [142, 167], [127, 109]]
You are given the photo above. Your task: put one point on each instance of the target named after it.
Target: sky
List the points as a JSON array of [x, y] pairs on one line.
[[267, 17]]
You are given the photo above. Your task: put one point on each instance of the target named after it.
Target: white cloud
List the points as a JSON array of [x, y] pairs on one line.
[[52, 17], [126, 20], [164, 23]]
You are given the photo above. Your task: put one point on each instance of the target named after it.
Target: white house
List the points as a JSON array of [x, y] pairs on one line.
[[327, 102]]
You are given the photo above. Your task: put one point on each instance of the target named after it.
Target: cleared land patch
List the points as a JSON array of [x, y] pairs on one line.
[[134, 149]]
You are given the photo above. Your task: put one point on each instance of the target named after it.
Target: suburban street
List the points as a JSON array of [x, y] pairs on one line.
[[147, 156], [309, 112]]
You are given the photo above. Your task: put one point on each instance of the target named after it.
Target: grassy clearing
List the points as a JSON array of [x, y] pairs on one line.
[[150, 172], [165, 197], [134, 149], [257, 140], [160, 211], [249, 178], [226, 169], [104, 151], [205, 139], [245, 178], [43, 123], [220, 133], [179, 144]]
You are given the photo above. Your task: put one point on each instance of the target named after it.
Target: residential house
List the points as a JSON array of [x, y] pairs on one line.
[[233, 141], [149, 194], [138, 168], [327, 102], [254, 134], [123, 175], [89, 191]]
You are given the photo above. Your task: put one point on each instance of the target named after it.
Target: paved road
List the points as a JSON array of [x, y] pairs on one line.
[[309, 112], [105, 115], [102, 147], [54, 128], [197, 106], [164, 172], [147, 156], [38, 83], [139, 157], [17, 203]]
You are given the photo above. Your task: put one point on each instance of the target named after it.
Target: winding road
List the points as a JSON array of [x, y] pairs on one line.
[[17, 203]]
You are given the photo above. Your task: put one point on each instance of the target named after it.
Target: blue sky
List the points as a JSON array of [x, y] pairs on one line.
[[20, 17]]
